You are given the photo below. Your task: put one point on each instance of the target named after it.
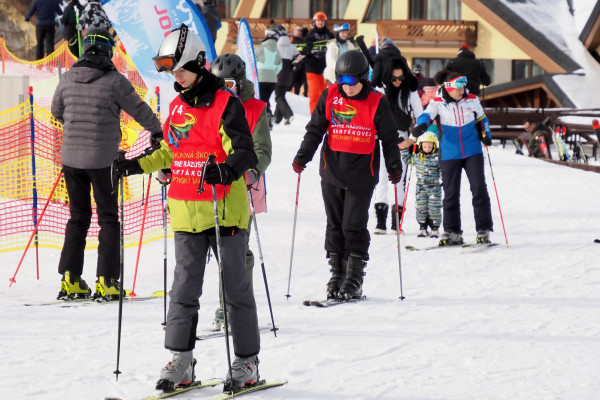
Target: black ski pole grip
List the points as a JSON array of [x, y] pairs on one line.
[[209, 160]]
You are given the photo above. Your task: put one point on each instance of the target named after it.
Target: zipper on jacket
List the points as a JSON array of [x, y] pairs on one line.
[[458, 122]]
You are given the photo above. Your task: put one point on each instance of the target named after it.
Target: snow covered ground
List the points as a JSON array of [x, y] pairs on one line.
[[507, 323]]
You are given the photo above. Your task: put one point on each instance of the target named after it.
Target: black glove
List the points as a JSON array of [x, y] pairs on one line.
[[126, 168], [299, 162], [164, 176], [395, 173], [251, 177], [419, 130], [485, 139], [155, 138], [221, 174]]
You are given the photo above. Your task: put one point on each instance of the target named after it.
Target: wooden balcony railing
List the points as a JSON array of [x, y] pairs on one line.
[[258, 26], [437, 33]]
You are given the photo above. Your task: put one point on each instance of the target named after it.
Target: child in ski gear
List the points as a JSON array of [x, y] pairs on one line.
[[335, 48], [206, 118], [88, 101], [458, 113], [315, 50], [429, 189], [232, 69], [401, 92], [351, 119], [268, 64]]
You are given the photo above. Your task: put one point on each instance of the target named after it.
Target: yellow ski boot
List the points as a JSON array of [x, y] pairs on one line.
[[107, 289], [73, 287]]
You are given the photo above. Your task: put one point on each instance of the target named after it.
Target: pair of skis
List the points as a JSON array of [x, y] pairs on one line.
[[468, 247], [66, 303], [261, 385], [331, 302]]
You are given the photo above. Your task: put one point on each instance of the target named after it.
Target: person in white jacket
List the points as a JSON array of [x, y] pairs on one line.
[[335, 48], [285, 77], [268, 63], [401, 90]]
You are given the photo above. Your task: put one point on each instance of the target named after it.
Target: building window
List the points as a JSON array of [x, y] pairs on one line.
[[431, 66], [335, 9], [522, 69], [379, 9], [227, 7], [278, 9], [445, 10]]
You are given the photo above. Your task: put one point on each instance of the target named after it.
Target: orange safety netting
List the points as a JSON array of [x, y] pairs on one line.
[[30, 146]]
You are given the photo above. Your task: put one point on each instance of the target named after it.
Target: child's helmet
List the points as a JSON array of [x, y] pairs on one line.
[[179, 48], [430, 137], [320, 15], [229, 66], [352, 62], [98, 41]]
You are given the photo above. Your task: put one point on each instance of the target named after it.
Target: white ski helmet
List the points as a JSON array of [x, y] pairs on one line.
[[430, 137], [179, 48]]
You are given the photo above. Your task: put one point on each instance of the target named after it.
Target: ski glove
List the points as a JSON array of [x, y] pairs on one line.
[[299, 162], [419, 130], [395, 173], [164, 176], [155, 138], [486, 139], [126, 168], [251, 177], [221, 174]]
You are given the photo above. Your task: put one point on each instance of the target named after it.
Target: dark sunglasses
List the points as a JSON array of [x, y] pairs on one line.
[[398, 78]]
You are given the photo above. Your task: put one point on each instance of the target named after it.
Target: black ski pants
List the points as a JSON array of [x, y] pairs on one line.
[[266, 90], [44, 35], [451, 174], [282, 109], [79, 182], [347, 217], [182, 320]]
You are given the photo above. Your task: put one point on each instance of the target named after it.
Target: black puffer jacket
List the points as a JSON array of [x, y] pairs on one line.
[[349, 170], [88, 101], [316, 42], [380, 62], [466, 64]]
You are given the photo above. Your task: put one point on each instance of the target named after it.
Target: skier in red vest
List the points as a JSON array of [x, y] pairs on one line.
[[351, 119], [205, 119]]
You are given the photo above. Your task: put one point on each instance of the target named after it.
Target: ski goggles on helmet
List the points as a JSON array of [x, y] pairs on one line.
[[230, 83], [341, 27], [164, 63], [348, 79], [456, 83]]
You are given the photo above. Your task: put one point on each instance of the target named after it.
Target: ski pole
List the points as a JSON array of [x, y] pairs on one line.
[[35, 229], [262, 261], [137, 260], [120, 157], [219, 256], [293, 236], [398, 236], [496, 189], [163, 195]]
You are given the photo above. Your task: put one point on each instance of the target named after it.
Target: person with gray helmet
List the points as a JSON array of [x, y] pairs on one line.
[[352, 120], [335, 48], [205, 119], [289, 53], [88, 101], [232, 69], [268, 64]]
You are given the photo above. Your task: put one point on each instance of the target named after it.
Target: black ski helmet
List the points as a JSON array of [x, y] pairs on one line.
[[98, 41], [229, 66], [352, 62]]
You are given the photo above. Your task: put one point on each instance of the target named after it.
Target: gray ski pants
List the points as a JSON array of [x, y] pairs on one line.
[[190, 255]]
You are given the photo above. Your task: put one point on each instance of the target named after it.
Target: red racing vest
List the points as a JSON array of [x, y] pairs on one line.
[[254, 109], [351, 127], [193, 134]]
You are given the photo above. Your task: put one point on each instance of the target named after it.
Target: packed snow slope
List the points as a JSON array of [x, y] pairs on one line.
[[517, 322]]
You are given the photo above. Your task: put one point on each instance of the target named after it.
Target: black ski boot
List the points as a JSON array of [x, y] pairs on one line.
[[352, 286], [337, 275], [423, 230], [381, 210]]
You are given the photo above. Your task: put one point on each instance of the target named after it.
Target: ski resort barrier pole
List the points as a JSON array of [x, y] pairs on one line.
[[34, 208], [293, 236], [12, 280], [2, 45], [497, 197], [137, 260]]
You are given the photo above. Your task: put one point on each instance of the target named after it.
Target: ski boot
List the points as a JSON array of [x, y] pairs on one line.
[[435, 233], [244, 374], [337, 275], [107, 289], [218, 323], [381, 210], [178, 372], [352, 286], [423, 231], [287, 121], [451, 239], [73, 287], [483, 236]]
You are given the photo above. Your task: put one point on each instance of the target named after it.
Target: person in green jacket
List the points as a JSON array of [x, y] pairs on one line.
[[206, 119], [232, 68]]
